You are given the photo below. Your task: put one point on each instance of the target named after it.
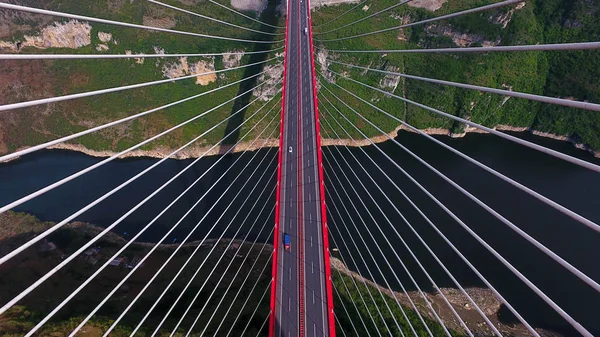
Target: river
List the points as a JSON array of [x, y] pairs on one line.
[[572, 186]]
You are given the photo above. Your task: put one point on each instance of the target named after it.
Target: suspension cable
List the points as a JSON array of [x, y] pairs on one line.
[[180, 220], [189, 259], [396, 277], [362, 278], [106, 195], [575, 216], [256, 308], [460, 319], [121, 56], [97, 272], [539, 148], [535, 47], [211, 19], [582, 276], [371, 275], [245, 278], [244, 15], [97, 237], [481, 313], [352, 299], [488, 284], [342, 330], [124, 24], [182, 243], [532, 97], [220, 258], [107, 125], [222, 297], [522, 277], [347, 313], [363, 19], [443, 17], [56, 99], [339, 16]]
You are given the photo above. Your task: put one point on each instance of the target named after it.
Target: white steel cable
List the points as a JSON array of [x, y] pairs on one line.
[[122, 120], [119, 56], [362, 278], [514, 139], [579, 274], [346, 311], [145, 228], [97, 272], [365, 284], [263, 325], [124, 24], [256, 309], [397, 280], [90, 168], [223, 253], [116, 322], [532, 97], [230, 283], [517, 273], [353, 301], [460, 319], [244, 15], [357, 289], [181, 244], [488, 284], [481, 313], [240, 268], [362, 19], [56, 99], [369, 271], [337, 320], [534, 47], [339, 16], [225, 293], [211, 19], [232, 325], [443, 17], [97, 237]]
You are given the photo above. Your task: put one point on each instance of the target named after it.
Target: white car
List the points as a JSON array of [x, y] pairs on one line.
[[290, 150], [305, 30]]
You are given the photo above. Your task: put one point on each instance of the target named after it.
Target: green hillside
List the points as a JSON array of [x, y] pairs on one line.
[[566, 74]]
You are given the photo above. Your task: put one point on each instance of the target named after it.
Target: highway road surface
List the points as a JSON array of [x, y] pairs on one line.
[[301, 306]]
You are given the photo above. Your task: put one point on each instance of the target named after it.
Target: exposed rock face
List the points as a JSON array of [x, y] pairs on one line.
[[104, 37], [182, 68], [165, 22], [459, 38], [322, 61], [390, 81], [318, 3], [430, 5], [203, 67], [232, 59], [101, 47], [249, 5], [71, 34], [272, 75], [505, 18]]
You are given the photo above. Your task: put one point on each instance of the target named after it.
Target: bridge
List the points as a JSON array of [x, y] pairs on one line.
[[308, 215]]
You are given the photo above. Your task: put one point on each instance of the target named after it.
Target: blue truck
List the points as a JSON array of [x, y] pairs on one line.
[[286, 241]]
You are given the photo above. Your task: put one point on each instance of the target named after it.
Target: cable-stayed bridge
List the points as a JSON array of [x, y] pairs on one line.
[[352, 203]]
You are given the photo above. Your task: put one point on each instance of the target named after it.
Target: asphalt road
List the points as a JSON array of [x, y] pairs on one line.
[[301, 288]]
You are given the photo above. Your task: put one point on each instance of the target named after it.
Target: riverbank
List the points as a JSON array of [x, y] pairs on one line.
[[194, 152], [485, 299]]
